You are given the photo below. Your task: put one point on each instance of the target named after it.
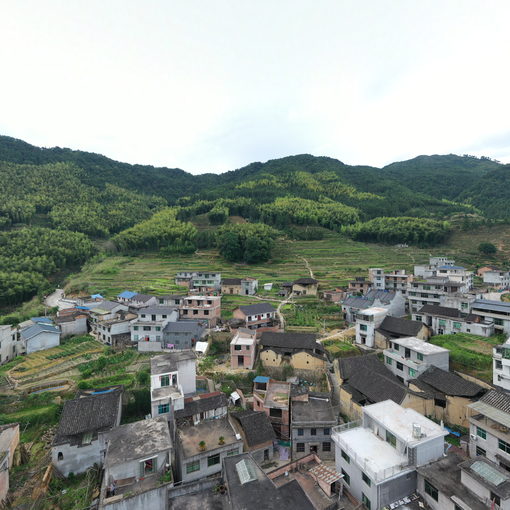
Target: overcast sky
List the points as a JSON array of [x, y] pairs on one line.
[[213, 85]]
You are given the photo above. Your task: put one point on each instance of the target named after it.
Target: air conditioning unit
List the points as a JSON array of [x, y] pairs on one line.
[[473, 437]]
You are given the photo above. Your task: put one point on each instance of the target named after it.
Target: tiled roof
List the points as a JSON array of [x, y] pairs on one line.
[[231, 281], [36, 329], [439, 380], [305, 281], [201, 403], [444, 311], [257, 308], [497, 399], [290, 340], [364, 364], [256, 426], [398, 326]]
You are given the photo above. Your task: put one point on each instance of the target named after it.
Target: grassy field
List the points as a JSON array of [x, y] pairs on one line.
[[470, 354]]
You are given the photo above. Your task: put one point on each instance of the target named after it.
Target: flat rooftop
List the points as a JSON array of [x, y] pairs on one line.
[[316, 410], [209, 432], [399, 421], [242, 338], [418, 345], [277, 395], [374, 310], [166, 392], [166, 363], [373, 453]]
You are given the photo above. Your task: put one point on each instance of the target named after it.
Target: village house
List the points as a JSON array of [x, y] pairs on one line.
[[408, 357], [183, 334], [243, 349], [40, 336], [202, 407], [170, 300], [378, 455], [394, 280], [451, 392], [125, 296], [334, 295], [103, 311], [137, 466], [149, 325], [240, 286], [480, 271], [10, 344], [199, 281], [497, 278], [201, 449], [89, 301], [257, 316], [79, 442], [257, 433], [273, 398], [397, 327], [305, 287], [430, 291], [72, 321], [115, 331], [143, 300], [312, 419], [454, 483], [429, 270], [366, 323], [9, 440], [300, 350], [201, 308], [360, 285], [497, 311], [443, 320], [394, 302], [501, 365], [457, 274], [173, 377], [489, 428]]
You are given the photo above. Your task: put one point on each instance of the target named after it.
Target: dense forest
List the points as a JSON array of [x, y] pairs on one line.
[[57, 205]]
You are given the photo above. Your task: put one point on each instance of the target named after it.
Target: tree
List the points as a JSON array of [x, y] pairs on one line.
[[487, 248]]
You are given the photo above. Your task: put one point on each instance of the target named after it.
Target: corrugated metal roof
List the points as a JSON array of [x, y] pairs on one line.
[[497, 415], [489, 304]]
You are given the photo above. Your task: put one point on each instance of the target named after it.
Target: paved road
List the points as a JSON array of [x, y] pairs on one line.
[[57, 299]]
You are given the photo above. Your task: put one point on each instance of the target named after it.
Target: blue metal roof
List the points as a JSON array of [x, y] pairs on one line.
[[82, 307], [451, 267], [96, 296], [127, 294], [261, 379]]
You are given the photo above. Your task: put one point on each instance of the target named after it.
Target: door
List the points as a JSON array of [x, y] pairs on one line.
[[240, 361]]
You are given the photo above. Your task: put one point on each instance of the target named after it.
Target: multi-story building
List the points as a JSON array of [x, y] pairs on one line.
[[501, 365], [243, 349], [241, 286], [257, 316], [367, 322], [312, 420], [115, 331], [407, 358], [150, 323], [201, 308], [429, 270], [457, 274], [429, 291], [498, 311], [360, 285], [489, 428], [183, 334], [394, 280], [497, 278], [10, 346], [273, 398], [199, 281], [378, 455], [443, 320], [394, 302]]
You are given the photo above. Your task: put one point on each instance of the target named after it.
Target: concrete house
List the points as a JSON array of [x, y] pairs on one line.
[[257, 316], [443, 320], [360, 285], [170, 300], [205, 282], [300, 350], [240, 286], [453, 482], [202, 407], [397, 327], [430, 291], [201, 449], [126, 296], [305, 287], [366, 323], [312, 420], [497, 311], [430, 269], [378, 455], [201, 308], [137, 470], [9, 440], [143, 300], [117, 330], [183, 334], [10, 346], [457, 274], [243, 349], [257, 433], [497, 278], [394, 302], [78, 442], [273, 398], [394, 280], [451, 392], [501, 365], [173, 376], [149, 325], [407, 358], [39, 337], [72, 321], [489, 428], [105, 310]]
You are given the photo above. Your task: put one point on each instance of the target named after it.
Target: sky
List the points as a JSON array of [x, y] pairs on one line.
[[213, 85]]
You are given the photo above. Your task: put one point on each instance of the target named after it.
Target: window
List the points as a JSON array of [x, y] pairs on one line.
[[327, 431], [237, 347], [388, 360], [396, 346], [499, 365], [431, 491], [390, 438], [300, 447], [326, 446], [365, 478], [345, 457], [164, 316], [481, 433], [419, 355], [193, 466], [60, 456], [363, 327], [163, 408], [313, 432], [136, 338], [87, 438], [212, 460], [143, 315], [300, 432], [158, 328], [275, 413], [503, 445], [234, 451], [147, 466], [135, 328], [195, 312], [412, 372], [495, 498], [206, 312], [164, 380], [365, 501], [146, 328], [347, 478], [442, 322], [457, 325], [400, 366], [418, 318], [480, 452]]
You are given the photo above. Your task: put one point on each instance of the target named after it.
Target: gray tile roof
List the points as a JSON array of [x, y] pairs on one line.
[[256, 426], [365, 364], [257, 308], [202, 403], [443, 311], [290, 340], [497, 399], [395, 326], [305, 281], [193, 327], [38, 328], [231, 281]]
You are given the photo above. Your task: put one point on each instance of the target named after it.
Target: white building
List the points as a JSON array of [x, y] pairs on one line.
[[367, 321], [10, 346], [501, 365], [393, 280], [497, 311], [457, 274], [429, 270], [407, 358], [378, 456], [39, 337], [430, 291], [149, 325]]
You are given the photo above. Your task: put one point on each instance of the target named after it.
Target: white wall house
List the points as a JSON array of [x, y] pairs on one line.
[[10, 346], [150, 323], [501, 365], [367, 321], [497, 278], [39, 337], [379, 455], [498, 311], [407, 358]]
